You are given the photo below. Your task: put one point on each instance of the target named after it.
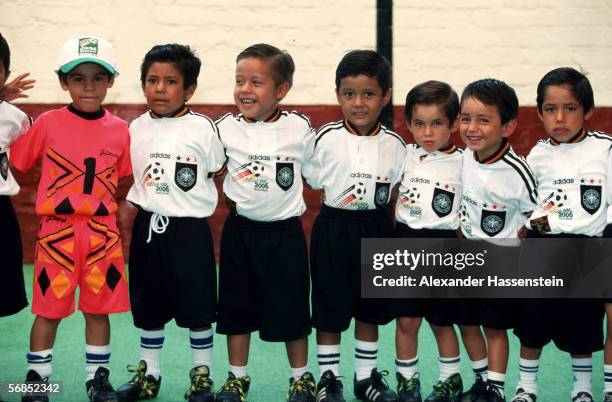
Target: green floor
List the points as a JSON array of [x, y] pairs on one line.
[[268, 366]]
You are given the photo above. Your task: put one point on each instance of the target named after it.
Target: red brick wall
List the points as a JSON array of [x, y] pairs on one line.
[[528, 132]]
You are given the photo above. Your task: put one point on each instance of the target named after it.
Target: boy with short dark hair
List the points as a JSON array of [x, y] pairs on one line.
[[84, 151], [263, 275], [576, 162], [427, 207], [498, 190], [172, 261], [357, 162], [13, 123]]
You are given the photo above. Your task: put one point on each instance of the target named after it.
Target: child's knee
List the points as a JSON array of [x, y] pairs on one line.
[[96, 319], [408, 325]]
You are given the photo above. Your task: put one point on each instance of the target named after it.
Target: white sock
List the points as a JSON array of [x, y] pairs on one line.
[[583, 373], [329, 358], [480, 368], [497, 379], [448, 367], [296, 373], [608, 377], [151, 343], [238, 371], [365, 358], [41, 362], [201, 347], [407, 368], [96, 356], [528, 375]]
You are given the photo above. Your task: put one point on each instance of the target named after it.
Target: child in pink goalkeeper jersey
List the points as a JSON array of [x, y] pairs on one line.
[[84, 151]]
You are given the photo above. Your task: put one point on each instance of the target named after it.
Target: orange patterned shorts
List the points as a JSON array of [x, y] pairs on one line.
[[81, 251]]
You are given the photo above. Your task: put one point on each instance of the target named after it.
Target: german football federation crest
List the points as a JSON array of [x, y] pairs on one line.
[[442, 202], [492, 222], [4, 165], [381, 195], [590, 198], [186, 173], [284, 175]]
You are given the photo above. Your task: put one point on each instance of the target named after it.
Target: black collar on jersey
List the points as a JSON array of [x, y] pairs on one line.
[[182, 111], [579, 136], [353, 130], [497, 155], [449, 149], [273, 117], [87, 115]]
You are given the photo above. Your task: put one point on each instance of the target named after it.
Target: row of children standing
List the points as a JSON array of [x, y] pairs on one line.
[[262, 152]]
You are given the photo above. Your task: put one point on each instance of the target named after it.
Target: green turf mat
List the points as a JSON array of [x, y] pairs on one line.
[[268, 365]]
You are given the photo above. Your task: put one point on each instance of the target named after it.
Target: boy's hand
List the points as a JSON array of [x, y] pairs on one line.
[[231, 204], [16, 88], [522, 232], [540, 224], [459, 233]]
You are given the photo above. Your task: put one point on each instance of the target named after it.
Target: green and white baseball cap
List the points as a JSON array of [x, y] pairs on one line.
[[86, 49]]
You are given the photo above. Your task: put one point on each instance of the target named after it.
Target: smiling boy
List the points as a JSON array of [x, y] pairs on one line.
[[501, 190], [263, 275]]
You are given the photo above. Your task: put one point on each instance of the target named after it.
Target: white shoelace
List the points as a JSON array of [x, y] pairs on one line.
[[158, 224]]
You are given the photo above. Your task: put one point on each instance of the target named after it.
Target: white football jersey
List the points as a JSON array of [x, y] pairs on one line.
[[497, 192], [573, 182], [173, 160], [430, 191], [355, 172], [264, 164], [13, 123]]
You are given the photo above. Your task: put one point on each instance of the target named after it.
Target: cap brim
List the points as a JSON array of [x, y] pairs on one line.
[[66, 68]]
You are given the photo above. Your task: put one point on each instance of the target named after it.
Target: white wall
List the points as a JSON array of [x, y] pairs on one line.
[[517, 41], [455, 41]]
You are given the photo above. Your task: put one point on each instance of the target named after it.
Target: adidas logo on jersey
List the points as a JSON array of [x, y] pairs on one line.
[[259, 157], [159, 155], [468, 199], [359, 175], [563, 181], [419, 180]]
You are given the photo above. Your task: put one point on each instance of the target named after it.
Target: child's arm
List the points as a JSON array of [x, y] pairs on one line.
[[521, 233], [406, 159], [221, 173], [311, 170], [528, 198], [29, 147], [217, 159], [16, 88]]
